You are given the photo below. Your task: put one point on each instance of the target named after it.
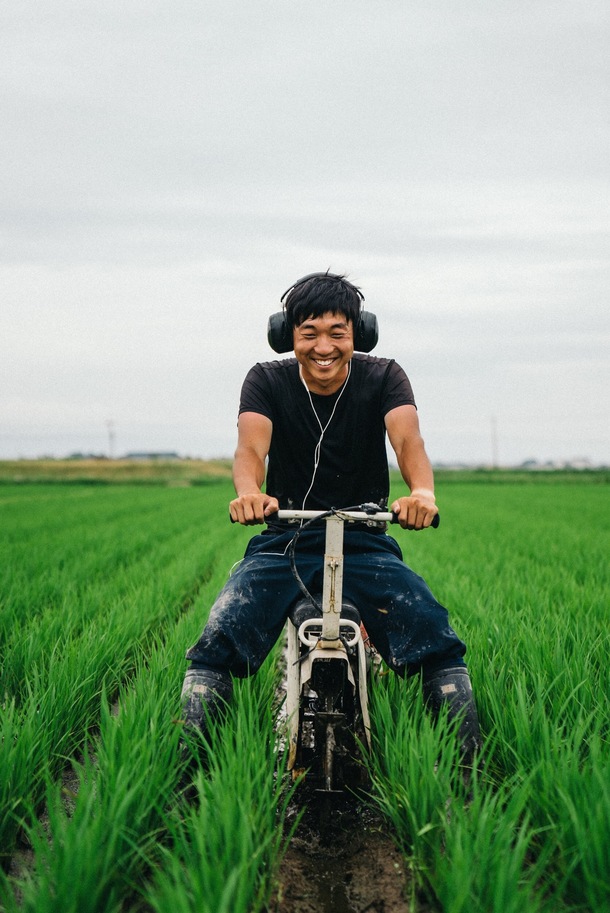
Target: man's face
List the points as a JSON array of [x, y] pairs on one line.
[[323, 347]]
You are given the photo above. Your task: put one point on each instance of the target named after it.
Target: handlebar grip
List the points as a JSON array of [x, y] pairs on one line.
[[435, 520], [266, 520]]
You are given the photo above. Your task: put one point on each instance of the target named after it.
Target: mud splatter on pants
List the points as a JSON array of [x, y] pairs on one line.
[[408, 626]]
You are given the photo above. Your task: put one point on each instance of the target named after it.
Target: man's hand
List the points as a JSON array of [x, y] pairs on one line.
[[250, 509], [417, 511]]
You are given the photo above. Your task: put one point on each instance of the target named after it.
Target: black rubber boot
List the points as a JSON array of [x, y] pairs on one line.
[[204, 688], [205, 694], [452, 687]]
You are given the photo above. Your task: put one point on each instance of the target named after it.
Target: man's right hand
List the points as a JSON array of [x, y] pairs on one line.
[[250, 509]]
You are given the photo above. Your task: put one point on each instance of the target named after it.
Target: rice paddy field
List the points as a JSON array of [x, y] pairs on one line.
[[104, 586]]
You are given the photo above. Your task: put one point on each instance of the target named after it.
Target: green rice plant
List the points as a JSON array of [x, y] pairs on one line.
[[57, 667], [49, 727], [59, 704], [527, 589], [88, 857], [413, 767], [21, 756], [488, 860], [585, 832], [95, 850], [93, 844], [572, 795], [55, 542], [59, 549], [469, 842], [225, 847]]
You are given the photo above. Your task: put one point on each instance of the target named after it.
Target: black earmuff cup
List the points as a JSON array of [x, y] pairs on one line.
[[278, 334], [367, 332]]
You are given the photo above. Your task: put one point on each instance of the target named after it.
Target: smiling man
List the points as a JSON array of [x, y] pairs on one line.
[[312, 434]]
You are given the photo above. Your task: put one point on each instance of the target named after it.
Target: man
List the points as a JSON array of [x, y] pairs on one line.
[[320, 419]]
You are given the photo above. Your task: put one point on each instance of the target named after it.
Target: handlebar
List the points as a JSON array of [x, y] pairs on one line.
[[377, 516]]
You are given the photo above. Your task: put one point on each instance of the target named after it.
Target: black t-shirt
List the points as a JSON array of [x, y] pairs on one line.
[[353, 466]]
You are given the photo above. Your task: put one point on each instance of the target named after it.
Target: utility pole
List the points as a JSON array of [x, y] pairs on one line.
[[111, 438]]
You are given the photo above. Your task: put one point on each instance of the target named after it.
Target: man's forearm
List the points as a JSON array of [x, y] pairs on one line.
[[417, 511], [248, 472], [416, 469], [251, 504]]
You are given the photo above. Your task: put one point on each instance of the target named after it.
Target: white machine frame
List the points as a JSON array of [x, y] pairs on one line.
[[328, 638]]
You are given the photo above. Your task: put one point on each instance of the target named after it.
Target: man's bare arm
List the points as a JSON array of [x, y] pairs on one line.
[[418, 509], [253, 441]]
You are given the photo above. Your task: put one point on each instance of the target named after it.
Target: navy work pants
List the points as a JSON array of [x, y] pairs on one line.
[[405, 622]]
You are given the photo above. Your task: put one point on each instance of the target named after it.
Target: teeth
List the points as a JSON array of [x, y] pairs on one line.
[[324, 363]]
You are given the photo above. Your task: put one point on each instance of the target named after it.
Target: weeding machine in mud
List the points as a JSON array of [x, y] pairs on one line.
[[329, 665]]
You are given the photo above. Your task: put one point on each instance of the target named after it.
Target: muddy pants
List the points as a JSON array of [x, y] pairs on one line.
[[409, 628]]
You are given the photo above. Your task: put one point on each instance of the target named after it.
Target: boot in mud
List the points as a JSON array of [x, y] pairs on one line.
[[452, 687], [205, 694]]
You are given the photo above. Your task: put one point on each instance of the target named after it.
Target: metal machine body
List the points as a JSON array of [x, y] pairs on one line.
[[329, 662]]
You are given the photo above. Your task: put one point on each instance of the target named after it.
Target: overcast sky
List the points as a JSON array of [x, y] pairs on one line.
[[167, 170]]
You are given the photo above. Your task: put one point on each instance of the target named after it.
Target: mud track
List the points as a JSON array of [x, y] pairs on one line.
[[341, 860]]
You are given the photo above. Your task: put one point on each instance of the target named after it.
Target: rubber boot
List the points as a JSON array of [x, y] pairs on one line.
[[205, 694], [204, 690], [452, 687]]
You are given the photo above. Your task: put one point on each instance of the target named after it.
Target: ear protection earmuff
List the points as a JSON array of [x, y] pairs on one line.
[[279, 334]]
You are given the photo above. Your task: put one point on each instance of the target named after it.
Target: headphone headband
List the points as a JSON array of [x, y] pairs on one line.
[[327, 275]]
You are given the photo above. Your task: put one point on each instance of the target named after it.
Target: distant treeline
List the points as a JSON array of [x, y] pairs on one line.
[[203, 472]]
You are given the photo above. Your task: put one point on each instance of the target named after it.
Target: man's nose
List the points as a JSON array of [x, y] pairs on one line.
[[324, 343]]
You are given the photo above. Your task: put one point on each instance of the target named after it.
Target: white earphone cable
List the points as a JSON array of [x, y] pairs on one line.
[[323, 428]]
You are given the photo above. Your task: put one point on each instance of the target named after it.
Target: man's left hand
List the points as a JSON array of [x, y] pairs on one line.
[[416, 511]]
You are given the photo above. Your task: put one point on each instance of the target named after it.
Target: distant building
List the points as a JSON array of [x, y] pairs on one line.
[[152, 455], [77, 455]]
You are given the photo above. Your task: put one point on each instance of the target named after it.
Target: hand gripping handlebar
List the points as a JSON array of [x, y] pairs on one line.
[[355, 516]]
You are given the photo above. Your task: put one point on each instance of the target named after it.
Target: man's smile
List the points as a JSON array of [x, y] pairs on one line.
[[323, 347]]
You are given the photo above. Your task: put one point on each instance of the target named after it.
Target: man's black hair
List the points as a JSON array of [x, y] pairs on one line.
[[322, 293]]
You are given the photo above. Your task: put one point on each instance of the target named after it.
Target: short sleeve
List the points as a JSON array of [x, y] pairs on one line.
[[397, 390], [256, 393]]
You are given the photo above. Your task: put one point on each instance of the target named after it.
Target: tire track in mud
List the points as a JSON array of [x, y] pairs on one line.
[[346, 864], [340, 858]]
